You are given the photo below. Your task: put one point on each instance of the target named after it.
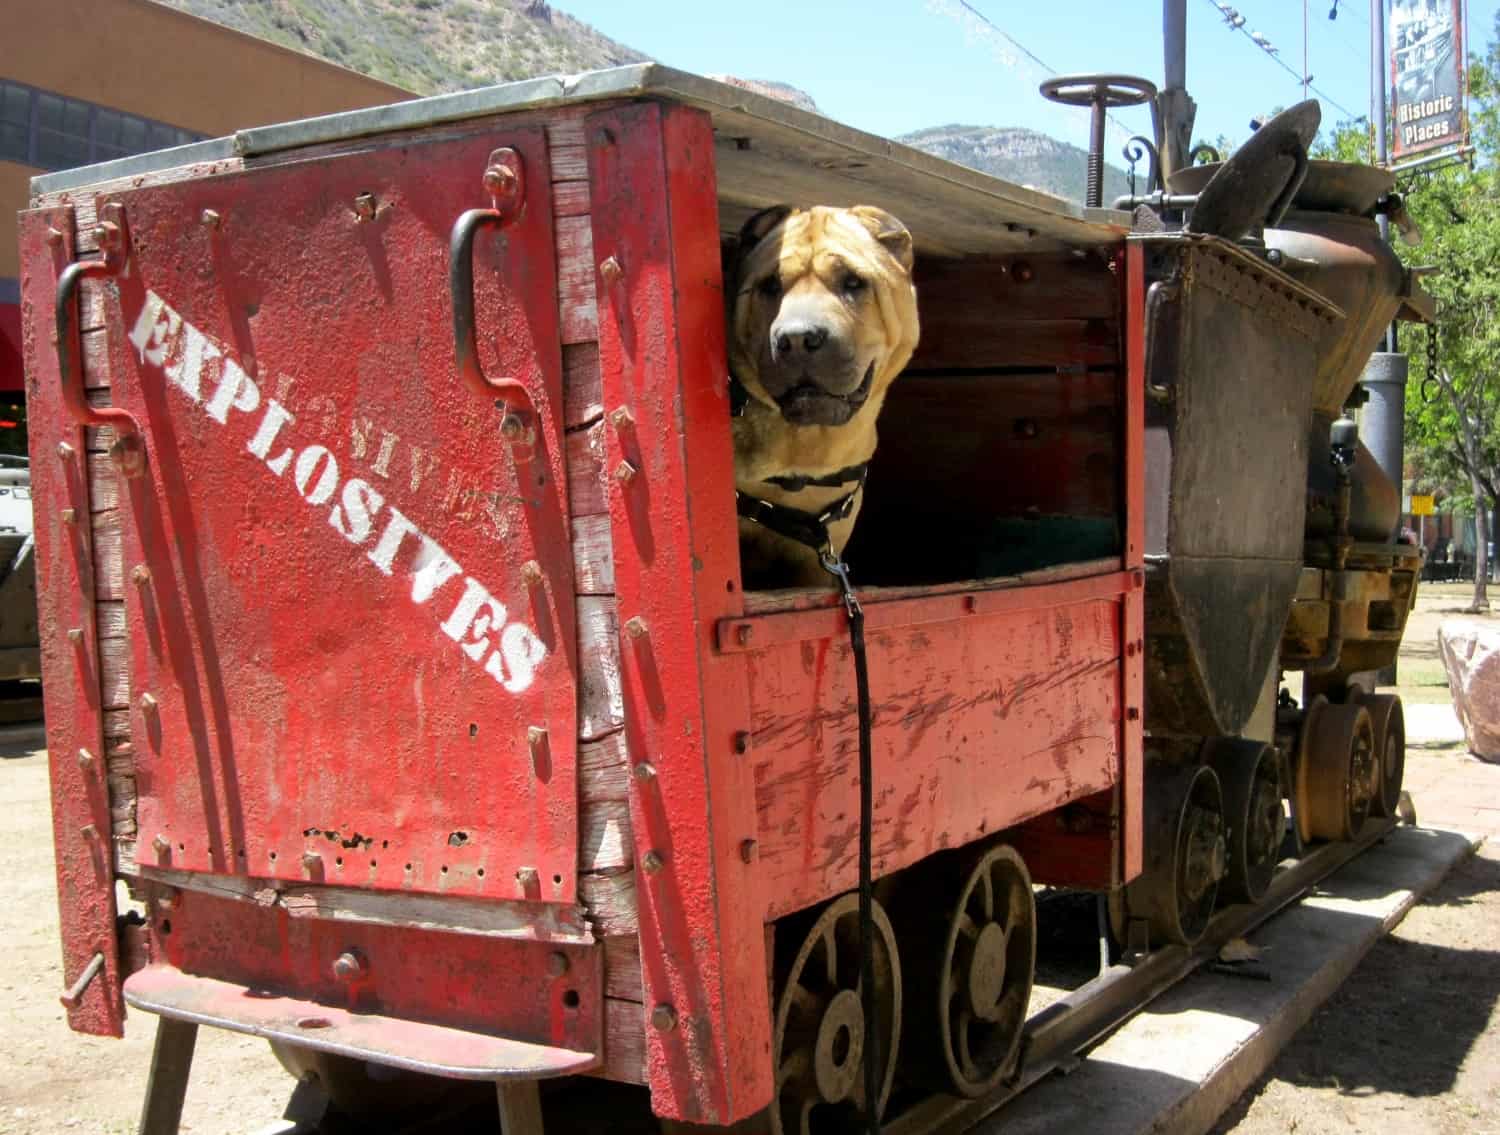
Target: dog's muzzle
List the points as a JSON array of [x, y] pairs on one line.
[[809, 403]]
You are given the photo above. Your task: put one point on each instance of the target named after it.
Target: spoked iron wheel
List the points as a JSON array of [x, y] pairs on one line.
[[1336, 771], [1389, 724], [985, 974], [818, 1043], [1250, 773], [1185, 847]]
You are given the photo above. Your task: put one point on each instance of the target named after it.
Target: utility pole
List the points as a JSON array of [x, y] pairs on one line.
[[1175, 108], [1305, 79]]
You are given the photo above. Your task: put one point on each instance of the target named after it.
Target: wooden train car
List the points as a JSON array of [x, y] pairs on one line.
[[398, 659]]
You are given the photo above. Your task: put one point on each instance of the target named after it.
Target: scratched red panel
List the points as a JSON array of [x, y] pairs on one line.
[[979, 723], [356, 678], [70, 669], [1133, 781]]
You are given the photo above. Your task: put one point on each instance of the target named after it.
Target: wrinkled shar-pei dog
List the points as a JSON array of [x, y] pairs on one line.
[[822, 318]]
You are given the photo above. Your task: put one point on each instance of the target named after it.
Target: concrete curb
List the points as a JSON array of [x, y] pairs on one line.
[[1178, 1065]]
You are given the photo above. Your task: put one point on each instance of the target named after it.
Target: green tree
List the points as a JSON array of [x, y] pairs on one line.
[[1453, 402]]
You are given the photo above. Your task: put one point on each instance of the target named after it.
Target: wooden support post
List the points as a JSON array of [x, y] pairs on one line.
[[520, 1107], [171, 1061]]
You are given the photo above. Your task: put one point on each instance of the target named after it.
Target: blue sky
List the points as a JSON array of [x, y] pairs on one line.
[[891, 66]]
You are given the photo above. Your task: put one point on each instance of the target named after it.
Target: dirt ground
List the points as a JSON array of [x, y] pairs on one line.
[[1412, 1043]]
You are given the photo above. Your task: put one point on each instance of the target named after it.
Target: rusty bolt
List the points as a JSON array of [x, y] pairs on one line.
[[140, 575], [364, 207], [107, 234], [161, 845], [166, 898], [645, 771], [620, 418], [311, 861], [499, 179], [1022, 272], [68, 516], [748, 849], [1130, 650], [635, 627], [625, 472], [512, 427], [557, 963], [664, 1018], [75, 635], [1132, 714], [531, 572], [148, 703], [743, 634], [209, 217], [652, 862], [610, 270], [742, 742], [54, 236], [64, 451], [85, 760], [348, 965]]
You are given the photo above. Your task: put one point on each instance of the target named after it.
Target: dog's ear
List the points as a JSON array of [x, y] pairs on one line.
[[888, 231], [758, 227]]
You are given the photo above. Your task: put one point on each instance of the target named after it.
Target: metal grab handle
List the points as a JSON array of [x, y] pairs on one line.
[[504, 179], [1283, 202], [70, 349]]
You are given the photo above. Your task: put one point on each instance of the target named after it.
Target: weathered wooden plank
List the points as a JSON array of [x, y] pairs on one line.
[[583, 393], [116, 725], [604, 769], [569, 163], [570, 198], [114, 673], [624, 1041], [593, 556], [622, 967], [109, 619], [586, 486], [95, 358], [109, 551], [104, 483], [609, 899], [601, 704], [120, 770], [604, 842], [578, 319]]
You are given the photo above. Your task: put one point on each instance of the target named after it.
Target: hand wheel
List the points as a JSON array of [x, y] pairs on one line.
[[1099, 92]]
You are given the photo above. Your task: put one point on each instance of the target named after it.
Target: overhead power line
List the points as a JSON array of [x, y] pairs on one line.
[[1236, 22]]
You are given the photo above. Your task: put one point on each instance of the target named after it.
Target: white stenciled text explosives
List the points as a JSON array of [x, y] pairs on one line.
[[469, 614]]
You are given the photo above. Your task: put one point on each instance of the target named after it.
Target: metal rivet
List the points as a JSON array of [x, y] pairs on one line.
[[742, 742], [54, 237], [645, 771], [557, 963], [364, 207], [166, 898], [75, 635], [148, 703], [140, 575], [747, 850], [209, 217], [161, 845], [348, 965], [512, 428], [107, 234], [1130, 650], [1022, 272], [64, 451], [652, 862], [85, 760], [743, 633], [1132, 713], [635, 627], [620, 418], [625, 472], [311, 860], [531, 572], [68, 516], [499, 179], [664, 1018], [610, 270]]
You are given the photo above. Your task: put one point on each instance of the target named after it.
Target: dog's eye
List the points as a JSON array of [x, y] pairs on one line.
[[853, 283], [770, 286]]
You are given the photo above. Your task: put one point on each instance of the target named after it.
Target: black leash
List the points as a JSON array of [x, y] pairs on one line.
[[836, 567]]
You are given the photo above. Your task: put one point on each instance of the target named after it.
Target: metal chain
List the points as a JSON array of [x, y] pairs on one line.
[[1429, 380]]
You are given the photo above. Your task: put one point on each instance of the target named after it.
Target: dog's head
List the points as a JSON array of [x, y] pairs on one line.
[[824, 314]]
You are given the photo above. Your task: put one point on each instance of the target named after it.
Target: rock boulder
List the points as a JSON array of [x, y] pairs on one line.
[[1471, 656]]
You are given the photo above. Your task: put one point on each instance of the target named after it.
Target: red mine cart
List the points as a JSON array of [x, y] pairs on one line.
[[396, 654]]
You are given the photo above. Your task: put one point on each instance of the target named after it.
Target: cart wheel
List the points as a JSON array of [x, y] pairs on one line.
[[1336, 771], [818, 1043], [1184, 853], [379, 1097], [1388, 721], [1250, 772]]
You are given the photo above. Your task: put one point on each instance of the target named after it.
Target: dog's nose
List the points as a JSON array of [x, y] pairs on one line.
[[800, 337]]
